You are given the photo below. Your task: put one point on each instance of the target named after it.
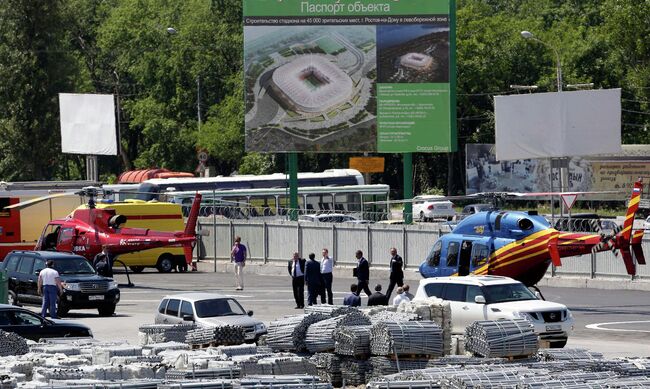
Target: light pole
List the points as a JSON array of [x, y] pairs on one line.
[[563, 162]]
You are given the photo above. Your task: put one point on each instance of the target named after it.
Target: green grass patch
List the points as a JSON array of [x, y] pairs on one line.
[[317, 119], [346, 106]]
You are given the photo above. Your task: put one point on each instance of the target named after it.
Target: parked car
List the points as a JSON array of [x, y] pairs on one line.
[[328, 218], [31, 326], [208, 309], [83, 287], [646, 223], [429, 207], [471, 209], [475, 298]]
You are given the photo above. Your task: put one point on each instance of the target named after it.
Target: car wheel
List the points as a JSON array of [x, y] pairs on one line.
[[136, 269], [106, 310], [165, 264], [559, 344], [12, 299], [62, 309]]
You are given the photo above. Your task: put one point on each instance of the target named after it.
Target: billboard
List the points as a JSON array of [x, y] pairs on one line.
[[566, 124], [347, 76], [598, 173], [88, 124]]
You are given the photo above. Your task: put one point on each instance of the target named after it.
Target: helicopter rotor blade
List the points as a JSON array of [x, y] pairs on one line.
[[37, 200]]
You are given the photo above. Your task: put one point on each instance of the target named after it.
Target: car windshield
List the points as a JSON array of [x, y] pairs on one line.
[[73, 266], [507, 292], [218, 307]]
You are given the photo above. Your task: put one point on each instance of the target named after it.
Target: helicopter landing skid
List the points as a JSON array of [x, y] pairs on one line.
[[129, 284]]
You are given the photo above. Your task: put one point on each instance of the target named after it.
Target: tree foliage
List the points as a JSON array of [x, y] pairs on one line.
[[166, 81]]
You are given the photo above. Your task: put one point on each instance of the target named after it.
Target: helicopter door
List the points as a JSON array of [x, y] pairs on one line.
[[65, 239], [452, 258], [480, 254], [465, 256], [49, 237]]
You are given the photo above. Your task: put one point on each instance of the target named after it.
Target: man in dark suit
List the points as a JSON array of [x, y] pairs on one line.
[[396, 272], [353, 298], [362, 272], [296, 270], [377, 298], [313, 279]]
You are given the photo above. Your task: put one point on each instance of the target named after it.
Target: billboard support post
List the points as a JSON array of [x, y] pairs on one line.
[[408, 187], [293, 186]]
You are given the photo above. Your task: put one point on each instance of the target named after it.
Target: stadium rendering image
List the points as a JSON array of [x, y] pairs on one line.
[[416, 61], [310, 88], [311, 83]]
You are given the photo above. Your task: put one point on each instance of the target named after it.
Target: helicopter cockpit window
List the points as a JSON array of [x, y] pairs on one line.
[[480, 255], [452, 254], [66, 235], [434, 256]]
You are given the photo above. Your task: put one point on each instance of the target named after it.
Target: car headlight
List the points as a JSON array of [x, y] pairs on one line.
[[90, 333], [72, 286], [112, 285], [523, 315], [260, 327], [569, 315]]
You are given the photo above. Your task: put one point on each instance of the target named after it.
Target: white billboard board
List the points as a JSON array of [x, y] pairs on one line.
[[565, 124], [88, 124]]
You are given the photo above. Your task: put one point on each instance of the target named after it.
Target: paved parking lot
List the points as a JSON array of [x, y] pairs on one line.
[[616, 323]]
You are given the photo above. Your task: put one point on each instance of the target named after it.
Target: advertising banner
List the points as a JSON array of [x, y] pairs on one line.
[[598, 173], [347, 75]]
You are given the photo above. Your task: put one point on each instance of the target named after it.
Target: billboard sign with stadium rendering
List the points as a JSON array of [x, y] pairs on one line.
[[348, 75]]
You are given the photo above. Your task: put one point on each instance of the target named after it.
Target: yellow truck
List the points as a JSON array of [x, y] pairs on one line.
[[155, 216]]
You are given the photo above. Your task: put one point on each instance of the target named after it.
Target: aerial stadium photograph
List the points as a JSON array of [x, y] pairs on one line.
[[310, 88]]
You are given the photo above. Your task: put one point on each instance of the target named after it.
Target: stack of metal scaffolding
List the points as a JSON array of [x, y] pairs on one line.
[[352, 340], [329, 368], [12, 344], [289, 333], [320, 336], [501, 338], [354, 371], [223, 335], [230, 372], [161, 333], [386, 315], [411, 337]]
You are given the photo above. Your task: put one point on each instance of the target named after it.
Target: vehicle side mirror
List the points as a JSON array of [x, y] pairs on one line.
[[249, 313], [538, 295], [188, 318], [480, 299]]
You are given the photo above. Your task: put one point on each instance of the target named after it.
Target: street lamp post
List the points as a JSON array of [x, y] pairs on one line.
[[564, 163]]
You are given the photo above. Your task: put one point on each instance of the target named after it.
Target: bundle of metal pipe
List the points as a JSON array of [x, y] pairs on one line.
[[354, 371], [288, 333], [289, 381], [565, 354], [289, 365], [207, 384], [411, 337], [330, 310], [12, 344], [436, 310], [501, 338], [329, 368], [382, 366], [229, 372], [160, 333], [224, 335], [233, 351], [421, 384], [352, 340], [391, 316], [320, 336]]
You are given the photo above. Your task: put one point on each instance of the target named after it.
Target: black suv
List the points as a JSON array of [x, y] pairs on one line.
[[83, 287]]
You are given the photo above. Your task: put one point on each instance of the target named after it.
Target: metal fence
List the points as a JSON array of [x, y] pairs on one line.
[[276, 241]]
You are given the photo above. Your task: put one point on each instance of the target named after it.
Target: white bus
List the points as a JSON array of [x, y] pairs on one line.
[[369, 202]]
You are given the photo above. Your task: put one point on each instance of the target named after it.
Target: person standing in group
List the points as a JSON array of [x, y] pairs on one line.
[[326, 268], [238, 256], [49, 286], [353, 299], [396, 276], [400, 298], [407, 292], [313, 279], [362, 272], [297, 272], [377, 298]]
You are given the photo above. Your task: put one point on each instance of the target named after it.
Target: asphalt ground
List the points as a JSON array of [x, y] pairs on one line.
[[613, 322]]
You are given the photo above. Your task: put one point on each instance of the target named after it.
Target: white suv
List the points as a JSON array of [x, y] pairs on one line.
[[429, 207], [493, 297]]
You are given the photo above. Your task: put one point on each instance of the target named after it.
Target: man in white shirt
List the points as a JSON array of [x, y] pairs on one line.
[[400, 298], [49, 286], [326, 268]]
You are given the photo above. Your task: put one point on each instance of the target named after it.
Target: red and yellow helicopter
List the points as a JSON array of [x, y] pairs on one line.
[[86, 231], [522, 245]]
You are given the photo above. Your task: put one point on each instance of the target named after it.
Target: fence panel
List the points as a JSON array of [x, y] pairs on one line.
[[609, 265], [252, 235], [575, 266], [315, 236], [282, 240], [419, 243], [383, 238], [349, 239]]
